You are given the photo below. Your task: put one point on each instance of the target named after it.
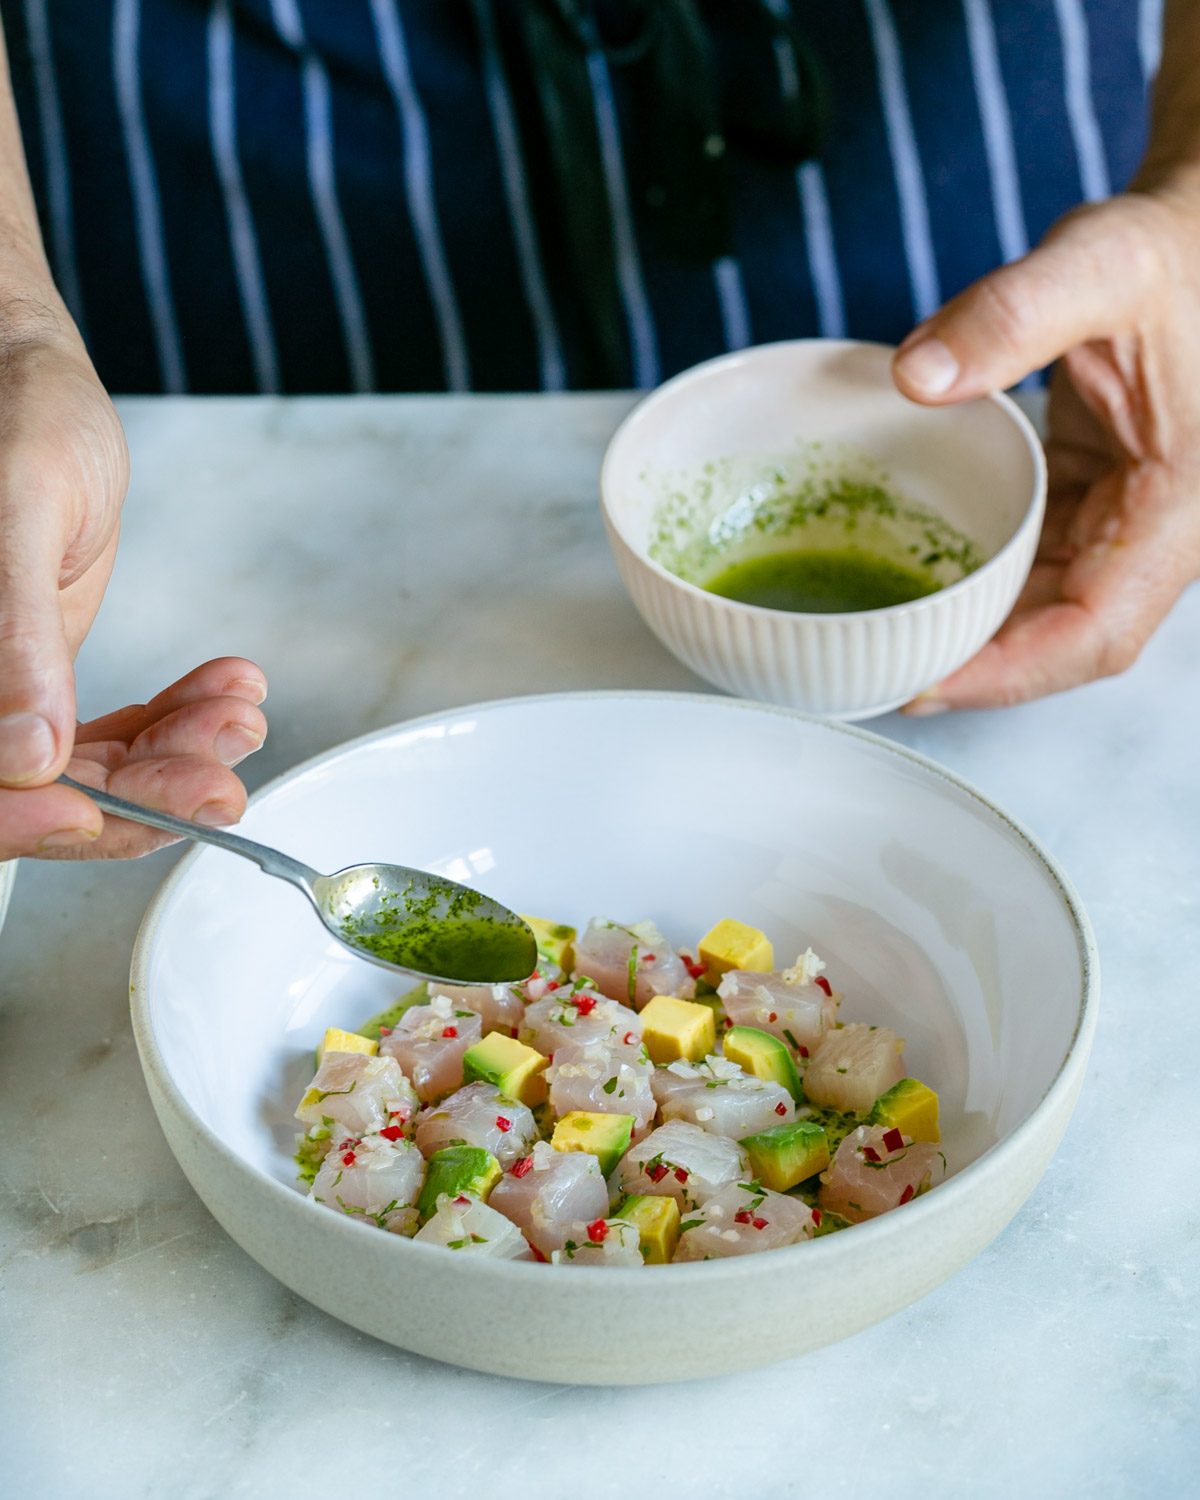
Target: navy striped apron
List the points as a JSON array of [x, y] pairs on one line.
[[303, 195]]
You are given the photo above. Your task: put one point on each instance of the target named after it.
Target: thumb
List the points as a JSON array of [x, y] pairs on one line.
[[1087, 280], [37, 683]]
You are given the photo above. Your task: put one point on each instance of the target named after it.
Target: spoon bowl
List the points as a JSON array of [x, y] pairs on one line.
[[425, 924], [392, 915]]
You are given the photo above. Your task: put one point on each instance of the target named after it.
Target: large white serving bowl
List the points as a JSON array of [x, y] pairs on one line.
[[937, 915], [979, 465]]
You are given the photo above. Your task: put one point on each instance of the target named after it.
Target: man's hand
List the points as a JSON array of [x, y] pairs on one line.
[[63, 471], [1113, 294], [172, 753]]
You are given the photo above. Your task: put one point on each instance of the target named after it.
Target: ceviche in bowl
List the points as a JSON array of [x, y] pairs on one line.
[[809, 1019], [629, 1104]]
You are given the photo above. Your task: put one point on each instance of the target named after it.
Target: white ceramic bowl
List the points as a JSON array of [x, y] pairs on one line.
[[979, 465], [8, 877], [935, 913]]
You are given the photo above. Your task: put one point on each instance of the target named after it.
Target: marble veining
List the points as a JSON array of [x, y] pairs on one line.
[[385, 557]]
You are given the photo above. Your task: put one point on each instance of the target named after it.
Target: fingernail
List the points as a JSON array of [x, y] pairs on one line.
[[925, 708], [234, 743], [27, 747], [255, 691], [69, 838], [215, 815], [928, 366]]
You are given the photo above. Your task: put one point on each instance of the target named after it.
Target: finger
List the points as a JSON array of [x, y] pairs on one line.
[[1025, 315], [37, 684], [46, 819], [190, 787], [228, 729], [1045, 650], [227, 676]]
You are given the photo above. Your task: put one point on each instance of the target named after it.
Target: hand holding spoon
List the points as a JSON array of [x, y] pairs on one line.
[[394, 916]]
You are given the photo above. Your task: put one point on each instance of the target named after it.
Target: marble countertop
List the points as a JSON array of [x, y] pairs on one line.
[[457, 544]]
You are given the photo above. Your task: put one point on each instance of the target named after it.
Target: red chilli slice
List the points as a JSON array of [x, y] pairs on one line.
[[690, 964], [772, 1016], [449, 1031], [553, 984], [537, 1254], [759, 1223], [385, 1031], [391, 1132], [522, 1167], [870, 1153], [816, 1213], [349, 1159], [803, 1051], [647, 958], [503, 1124], [743, 1216], [584, 1004], [631, 1039], [893, 1140], [824, 983], [680, 1174], [597, 1230], [908, 1193], [462, 1198], [781, 1108], [656, 1174]]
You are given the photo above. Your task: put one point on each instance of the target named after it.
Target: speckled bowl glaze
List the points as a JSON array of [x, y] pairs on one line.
[[978, 465], [936, 914]]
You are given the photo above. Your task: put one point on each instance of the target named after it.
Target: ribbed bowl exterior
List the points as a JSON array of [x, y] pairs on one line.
[[843, 666]]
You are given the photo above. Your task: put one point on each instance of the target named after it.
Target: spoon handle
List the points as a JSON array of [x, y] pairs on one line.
[[270, 860]]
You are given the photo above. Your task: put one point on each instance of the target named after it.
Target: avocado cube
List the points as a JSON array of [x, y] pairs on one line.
[[509, 1065], [911, 1106], [734, 945], [605, 1136], [454, 1170], [765, 1056], [787, 1154], [674, 1029], [656, 1220], [336, 1040], [555, 942]]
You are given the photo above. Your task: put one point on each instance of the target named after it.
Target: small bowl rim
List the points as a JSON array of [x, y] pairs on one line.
[[1032, 517], [967, 1181]]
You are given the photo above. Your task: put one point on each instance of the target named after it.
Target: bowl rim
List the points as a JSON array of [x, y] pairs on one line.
[[669, 389], [962, 1185]]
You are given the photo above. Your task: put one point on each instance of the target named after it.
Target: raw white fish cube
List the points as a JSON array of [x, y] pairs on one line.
[[478, 1115], [853, 1066], [468, 1225], [548, 1191], [683, 1160], [374, 1179], [358, 1092], [632, 963], [742, 1219], [877, 1168]]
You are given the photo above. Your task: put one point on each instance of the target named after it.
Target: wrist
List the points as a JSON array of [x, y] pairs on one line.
[[31, 310]]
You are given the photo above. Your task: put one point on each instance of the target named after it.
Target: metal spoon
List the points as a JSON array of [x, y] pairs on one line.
[[394, 916]]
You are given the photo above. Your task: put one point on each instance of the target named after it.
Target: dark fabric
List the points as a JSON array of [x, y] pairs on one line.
[[769, 170]]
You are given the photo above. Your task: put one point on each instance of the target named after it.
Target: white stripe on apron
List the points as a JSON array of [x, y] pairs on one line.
[[144, 187], [243, 241], [318, 132]]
